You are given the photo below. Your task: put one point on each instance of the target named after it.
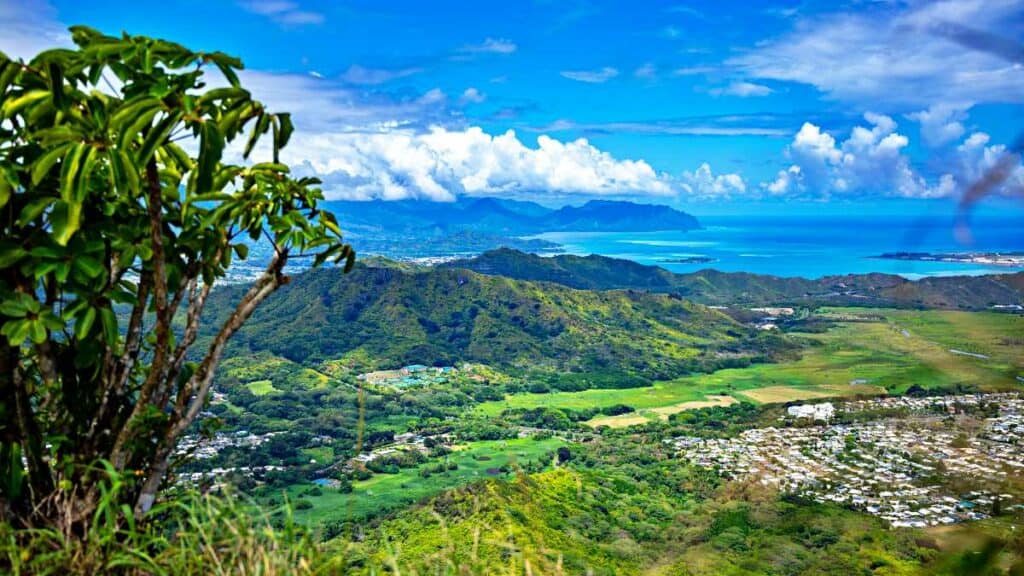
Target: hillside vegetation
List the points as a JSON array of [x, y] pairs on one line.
[[729, 288], [384, 316]]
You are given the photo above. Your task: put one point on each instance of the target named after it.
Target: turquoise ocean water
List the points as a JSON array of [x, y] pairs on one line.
[[810, 247]]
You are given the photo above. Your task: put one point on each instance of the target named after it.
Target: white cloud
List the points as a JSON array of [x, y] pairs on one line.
[[978, 160], [743, 90], [357, 74], [491, 46], [283, 12], [940, 124], [472, 96], [29, 28], [322, 105], [646, 72], [442, 163], [785, 181], [694, 70], [591, 76], [695, 127], [895, 57], [870, 160], [703, 183]]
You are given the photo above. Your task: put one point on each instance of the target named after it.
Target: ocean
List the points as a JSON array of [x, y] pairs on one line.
[[808, 246]]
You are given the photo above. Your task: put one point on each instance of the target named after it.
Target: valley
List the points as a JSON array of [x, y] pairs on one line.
[[369, 435]]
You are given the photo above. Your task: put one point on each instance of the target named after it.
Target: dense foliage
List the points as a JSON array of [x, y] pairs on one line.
[[384, 316], [116, 196]]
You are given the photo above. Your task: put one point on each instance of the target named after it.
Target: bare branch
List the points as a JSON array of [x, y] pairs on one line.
[[192, 395]]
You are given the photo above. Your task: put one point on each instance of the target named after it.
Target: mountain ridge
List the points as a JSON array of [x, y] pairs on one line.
[[509, 217], [713, 287]]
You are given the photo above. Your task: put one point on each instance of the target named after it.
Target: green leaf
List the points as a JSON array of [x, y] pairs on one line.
[[242, 250], [12, 107], [157, 136], [211, 146], [13, 308], [262, 124], [285, 133], [37, 332], [85, 322], [90, 266], [9, 254], [128, 171], [33, 209], [42, 166], [84, 172], [51, 321], [8, 71], [56, 74], [5, 191], [109, 321], [16, 331], [65, 220], [69, 170]]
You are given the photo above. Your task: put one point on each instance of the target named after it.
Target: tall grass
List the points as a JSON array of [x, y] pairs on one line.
[[189, 533]]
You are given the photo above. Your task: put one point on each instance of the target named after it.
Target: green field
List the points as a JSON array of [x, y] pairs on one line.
[[885, 349], [387, 492], [261, 387]]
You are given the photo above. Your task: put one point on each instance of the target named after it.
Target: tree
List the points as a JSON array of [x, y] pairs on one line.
[[120, 212]]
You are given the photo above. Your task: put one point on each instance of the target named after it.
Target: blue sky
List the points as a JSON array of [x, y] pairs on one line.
[[718, 104]]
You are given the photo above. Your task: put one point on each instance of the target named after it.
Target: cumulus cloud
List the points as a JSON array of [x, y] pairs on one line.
[[940, 124], [442, 163], [976, 159], [785, 180], [591, 76], [704, 183], [283, 12], [743, 90], [870, 160], [491, 46], [472, 96], [895, 55]]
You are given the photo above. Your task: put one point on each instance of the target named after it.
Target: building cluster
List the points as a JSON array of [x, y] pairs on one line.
[[1009, 403], [406, 442], [218, 474], [202, 448], [894, 468], [412, 376]]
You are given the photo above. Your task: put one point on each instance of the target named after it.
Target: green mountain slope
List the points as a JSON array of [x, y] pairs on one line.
[[714, 287], [631, 521], [384, 316]]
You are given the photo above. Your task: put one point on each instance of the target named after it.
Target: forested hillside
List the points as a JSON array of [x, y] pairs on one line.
[[726, 288], [384, 316]]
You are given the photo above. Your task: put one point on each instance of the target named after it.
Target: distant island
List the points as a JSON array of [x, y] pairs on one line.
[[689, 260], [989, 258], [500, 217]]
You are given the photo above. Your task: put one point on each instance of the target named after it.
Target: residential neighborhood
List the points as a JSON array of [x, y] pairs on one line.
[[895, 468]]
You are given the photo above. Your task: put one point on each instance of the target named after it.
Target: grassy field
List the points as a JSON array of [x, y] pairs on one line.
[[875, 351], [386, 492], [261, 387], [623, 420]]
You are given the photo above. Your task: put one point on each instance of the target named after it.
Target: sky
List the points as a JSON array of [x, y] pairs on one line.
[[723, 105]]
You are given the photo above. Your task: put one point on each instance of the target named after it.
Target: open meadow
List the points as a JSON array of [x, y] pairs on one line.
[[387, 492], [865, 352]]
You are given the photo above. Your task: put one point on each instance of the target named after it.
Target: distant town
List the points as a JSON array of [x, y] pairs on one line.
[[909, 466], [1011, 259]]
